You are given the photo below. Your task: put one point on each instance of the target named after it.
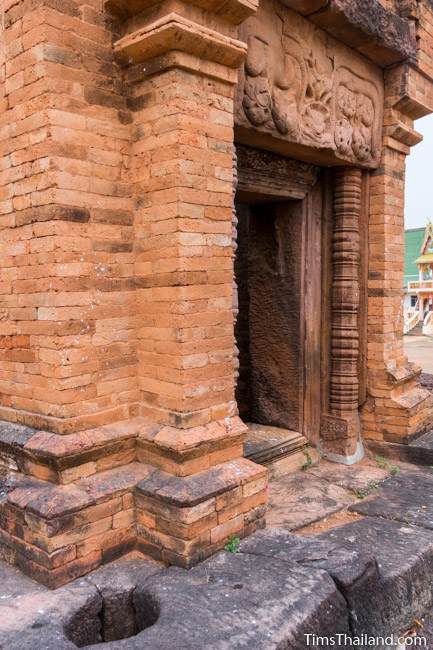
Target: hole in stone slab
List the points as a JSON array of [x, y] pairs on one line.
[[112, 617]]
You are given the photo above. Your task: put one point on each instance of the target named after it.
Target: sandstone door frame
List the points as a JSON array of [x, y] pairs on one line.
[[311, 187]]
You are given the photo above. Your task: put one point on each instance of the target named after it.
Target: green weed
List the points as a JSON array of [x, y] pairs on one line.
[[233, 544]]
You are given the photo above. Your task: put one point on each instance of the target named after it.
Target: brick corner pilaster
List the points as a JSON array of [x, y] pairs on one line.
[[397, 408], [181, 64]]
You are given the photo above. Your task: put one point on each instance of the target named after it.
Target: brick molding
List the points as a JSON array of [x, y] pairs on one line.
[[74, 502]]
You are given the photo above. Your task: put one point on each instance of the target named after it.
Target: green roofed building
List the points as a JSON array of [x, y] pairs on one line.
[[413, 241], [418, 270]]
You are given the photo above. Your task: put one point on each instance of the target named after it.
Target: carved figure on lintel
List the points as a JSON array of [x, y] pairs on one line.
[[316, 114], [269, 99], [362, 134], [355, 115], [284, 104], [257, 95]]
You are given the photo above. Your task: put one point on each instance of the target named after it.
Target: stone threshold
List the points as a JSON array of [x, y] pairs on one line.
[[265, 444]]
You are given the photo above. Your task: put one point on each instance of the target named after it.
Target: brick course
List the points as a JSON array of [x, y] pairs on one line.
[[67, 356]]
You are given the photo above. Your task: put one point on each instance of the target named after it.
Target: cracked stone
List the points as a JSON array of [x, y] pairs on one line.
[[407, 497]]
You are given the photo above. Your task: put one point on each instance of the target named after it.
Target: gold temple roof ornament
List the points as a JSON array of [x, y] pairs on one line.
[[425, 259]]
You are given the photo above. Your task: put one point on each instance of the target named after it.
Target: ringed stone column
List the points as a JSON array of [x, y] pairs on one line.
[[341, 428]]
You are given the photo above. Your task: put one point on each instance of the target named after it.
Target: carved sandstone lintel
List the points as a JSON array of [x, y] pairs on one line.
[[175, 32], [340, 429], [271, 176], [300, 87]]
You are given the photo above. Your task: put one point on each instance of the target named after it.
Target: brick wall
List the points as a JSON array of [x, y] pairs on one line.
[[424, 16], [386, 228], [67, 221], [182, 173]]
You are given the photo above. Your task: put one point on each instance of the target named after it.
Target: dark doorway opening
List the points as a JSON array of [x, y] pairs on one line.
[[270, 324]]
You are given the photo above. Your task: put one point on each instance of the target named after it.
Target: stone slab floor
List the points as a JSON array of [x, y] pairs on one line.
[[347, 550], [323, 493]]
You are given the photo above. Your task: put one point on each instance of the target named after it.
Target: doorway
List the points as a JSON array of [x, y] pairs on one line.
[[269, 327], [281, 214]]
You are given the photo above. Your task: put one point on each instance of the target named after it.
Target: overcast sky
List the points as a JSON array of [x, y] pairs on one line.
[[419, 177]]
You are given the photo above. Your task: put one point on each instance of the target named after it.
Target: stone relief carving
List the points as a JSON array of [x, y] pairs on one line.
[[302, 85], [355, 115], [274, 175], [282, 85], [268, 98]]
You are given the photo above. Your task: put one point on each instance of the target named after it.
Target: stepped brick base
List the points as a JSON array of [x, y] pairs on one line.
[[399, 410], [74, 502], [191, 518]]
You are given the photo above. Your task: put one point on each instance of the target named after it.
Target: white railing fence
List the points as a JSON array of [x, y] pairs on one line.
[[411, 320], [427, 328]]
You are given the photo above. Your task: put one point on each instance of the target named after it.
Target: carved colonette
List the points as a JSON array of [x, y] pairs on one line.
[[235, 223], [341, 429]]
